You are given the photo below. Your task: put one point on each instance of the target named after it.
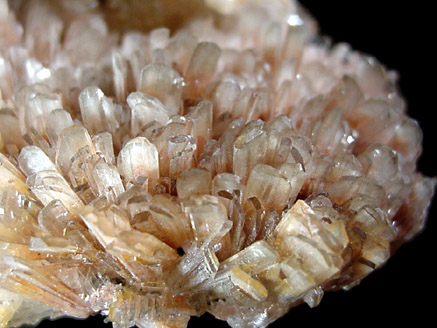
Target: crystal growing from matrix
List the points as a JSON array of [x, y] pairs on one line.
[[163, 159]]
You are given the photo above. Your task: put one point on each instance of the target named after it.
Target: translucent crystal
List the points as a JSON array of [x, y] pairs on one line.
[[320, 252], [57, 121], [192, 182], [33, 160], [11, 177], [108, 181], [163, 82], [10, 128], [72, 141], [98, 112], [50, 185], [120, 68], [274, 187], [145, 109], [38, 108], [201, 68], [55, 218], [138, 162], [202, 118], [104, 145], [206, 214]]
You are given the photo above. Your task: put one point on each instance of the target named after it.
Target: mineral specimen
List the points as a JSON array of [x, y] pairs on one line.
[[164, 159]]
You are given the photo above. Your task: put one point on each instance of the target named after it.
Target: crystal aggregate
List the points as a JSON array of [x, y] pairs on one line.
[[230, 162]]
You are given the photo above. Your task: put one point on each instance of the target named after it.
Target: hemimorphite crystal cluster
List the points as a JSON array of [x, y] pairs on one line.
[[163, 159]]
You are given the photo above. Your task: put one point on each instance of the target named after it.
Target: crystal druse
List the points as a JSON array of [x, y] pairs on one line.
[[162, 159]]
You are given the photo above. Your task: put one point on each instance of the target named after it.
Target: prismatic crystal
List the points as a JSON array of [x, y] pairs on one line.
[[163, 159]]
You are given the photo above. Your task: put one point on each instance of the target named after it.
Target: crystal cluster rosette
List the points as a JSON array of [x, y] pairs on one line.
[[232, 162]]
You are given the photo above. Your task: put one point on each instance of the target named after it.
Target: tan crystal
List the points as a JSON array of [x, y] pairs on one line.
[[72, 141], [145, 109], [138, 162], [275, 187], [163, 82], [202, 66], [193, 182], [48, 186]]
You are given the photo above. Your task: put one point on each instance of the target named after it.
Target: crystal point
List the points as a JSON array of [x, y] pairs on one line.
[[138, 162], [164, 83]]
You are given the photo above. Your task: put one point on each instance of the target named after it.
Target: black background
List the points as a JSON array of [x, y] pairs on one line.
[[400, 35]]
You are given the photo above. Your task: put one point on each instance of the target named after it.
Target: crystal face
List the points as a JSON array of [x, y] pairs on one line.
[[225, 163]]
